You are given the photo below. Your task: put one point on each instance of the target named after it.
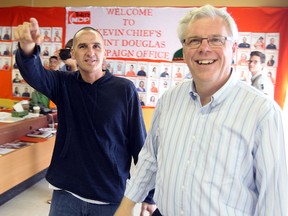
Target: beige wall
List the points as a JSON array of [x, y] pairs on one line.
[[63, 3]]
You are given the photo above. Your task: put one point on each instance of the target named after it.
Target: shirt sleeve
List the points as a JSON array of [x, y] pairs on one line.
[[143, 177], [33, 72], [270, 165], [137, 133]]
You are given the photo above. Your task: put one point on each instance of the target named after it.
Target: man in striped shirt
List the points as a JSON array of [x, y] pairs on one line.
[[216, 145]]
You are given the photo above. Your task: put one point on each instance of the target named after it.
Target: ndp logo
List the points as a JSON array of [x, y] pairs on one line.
[[79, 17]]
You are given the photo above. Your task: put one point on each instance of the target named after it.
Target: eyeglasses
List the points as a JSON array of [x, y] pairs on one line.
[[213, 41]]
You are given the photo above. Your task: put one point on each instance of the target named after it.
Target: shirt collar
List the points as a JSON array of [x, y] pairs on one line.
[[219, 96], [106, 76], [255, 76], [192, 91]]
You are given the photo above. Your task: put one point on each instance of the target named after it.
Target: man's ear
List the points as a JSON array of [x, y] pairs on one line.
[[183, 55]]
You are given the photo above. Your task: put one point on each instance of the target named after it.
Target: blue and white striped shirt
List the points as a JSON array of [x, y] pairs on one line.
[[224, 158]]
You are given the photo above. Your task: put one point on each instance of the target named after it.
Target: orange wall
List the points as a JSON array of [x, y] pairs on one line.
[[77, 3], [147, 114], [266, 20]]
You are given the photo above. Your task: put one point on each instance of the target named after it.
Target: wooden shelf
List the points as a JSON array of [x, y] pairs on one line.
[[12, 131], [23, 163]]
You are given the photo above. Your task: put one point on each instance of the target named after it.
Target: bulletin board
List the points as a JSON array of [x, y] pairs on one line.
[[140, 48], [12, 17], [268, 20], [259, 20]]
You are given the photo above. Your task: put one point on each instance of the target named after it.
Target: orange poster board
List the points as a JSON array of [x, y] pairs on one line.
[[13, 16]]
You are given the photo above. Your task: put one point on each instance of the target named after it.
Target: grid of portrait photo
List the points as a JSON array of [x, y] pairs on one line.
[[151, 79], [266, 43], [52, 42]]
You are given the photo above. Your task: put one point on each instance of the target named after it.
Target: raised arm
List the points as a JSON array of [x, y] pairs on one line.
[[28, 34]]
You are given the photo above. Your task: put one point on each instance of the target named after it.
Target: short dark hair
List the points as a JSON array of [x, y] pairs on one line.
[[88, 28], [53, 57], [260, 54]]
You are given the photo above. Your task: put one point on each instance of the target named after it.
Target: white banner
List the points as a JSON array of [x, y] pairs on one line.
[[131, 32]]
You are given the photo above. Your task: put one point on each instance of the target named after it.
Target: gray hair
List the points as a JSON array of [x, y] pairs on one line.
[[207, 11]]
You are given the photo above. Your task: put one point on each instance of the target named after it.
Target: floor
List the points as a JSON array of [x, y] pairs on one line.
[[33, 202]]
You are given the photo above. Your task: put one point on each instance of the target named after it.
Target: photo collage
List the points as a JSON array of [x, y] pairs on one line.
[[266, 43], [151, 79], [52, 41]]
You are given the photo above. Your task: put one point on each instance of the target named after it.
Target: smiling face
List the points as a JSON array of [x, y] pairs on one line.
[[209, 64], [88, 51]]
